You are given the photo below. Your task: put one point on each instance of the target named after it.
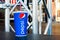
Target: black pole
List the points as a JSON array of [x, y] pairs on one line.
[[28, 4], [46, 10]]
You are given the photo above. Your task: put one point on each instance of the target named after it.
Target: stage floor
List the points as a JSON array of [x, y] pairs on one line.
[[11, 36]]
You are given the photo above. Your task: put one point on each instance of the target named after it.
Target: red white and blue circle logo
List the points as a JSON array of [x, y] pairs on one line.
[[22, 15]]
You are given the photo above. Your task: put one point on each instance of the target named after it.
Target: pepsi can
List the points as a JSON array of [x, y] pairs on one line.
[[20, 23]]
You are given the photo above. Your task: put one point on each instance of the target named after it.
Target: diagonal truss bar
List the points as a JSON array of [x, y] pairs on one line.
[[48, 29]]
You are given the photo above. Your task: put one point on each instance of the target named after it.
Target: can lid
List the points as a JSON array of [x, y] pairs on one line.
[[20, 11]]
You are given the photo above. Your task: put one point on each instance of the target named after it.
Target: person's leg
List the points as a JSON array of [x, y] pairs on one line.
[[46, 18]]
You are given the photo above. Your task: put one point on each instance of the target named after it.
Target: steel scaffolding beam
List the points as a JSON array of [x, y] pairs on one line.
[[35, 17], [7, 21], [40, 22]]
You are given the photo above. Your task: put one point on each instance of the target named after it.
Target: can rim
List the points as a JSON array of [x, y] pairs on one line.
[[20, 11]]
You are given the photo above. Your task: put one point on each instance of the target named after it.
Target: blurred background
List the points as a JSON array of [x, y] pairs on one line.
[[55, 17]]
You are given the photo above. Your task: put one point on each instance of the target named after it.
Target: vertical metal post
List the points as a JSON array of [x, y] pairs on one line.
[[35, 17], [7, 28], [49, 6], [40, 27]]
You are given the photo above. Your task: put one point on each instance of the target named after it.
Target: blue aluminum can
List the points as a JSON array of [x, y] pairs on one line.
[[20, 23]]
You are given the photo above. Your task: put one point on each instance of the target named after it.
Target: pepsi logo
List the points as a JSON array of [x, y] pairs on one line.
[[22, 15]]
